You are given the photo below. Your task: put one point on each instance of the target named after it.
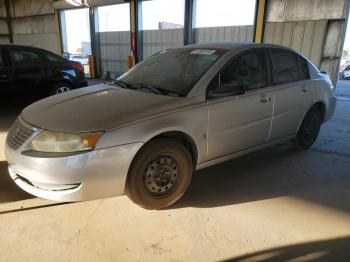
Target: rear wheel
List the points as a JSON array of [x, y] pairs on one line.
[[309, 129], [61, 88], [160, 174]]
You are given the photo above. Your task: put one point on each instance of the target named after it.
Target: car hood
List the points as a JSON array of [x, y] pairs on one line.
[[99, 107]]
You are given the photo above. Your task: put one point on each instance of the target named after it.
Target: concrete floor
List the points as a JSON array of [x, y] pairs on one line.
[[274, 205]]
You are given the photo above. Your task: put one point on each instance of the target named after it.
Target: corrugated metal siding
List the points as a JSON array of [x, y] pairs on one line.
[[306, 37], [2, 8], [225, 33], [115, 49], [39, 31], [31, 7], [3, 27], [157, 40], [34, 25], [4, 40], [46, 41]]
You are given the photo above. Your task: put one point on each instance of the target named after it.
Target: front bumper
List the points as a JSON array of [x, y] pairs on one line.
[[96, 174]]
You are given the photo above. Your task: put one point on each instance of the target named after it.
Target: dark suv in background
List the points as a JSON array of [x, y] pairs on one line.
[[28, 74]]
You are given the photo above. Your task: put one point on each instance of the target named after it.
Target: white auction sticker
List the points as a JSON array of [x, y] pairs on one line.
[[203, 52]]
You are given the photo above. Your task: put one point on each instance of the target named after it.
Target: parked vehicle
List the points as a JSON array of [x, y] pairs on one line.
[[82, 59], [345, 74], [178, 111], [29, 74]]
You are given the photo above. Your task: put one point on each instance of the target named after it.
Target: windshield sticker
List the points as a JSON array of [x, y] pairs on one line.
[[203, 52]]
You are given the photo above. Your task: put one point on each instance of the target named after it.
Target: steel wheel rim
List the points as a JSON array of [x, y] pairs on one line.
[[161, 175], [62, 89], [310, 130]]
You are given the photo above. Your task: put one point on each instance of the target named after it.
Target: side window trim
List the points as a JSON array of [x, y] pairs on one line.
[[217, 77], [300, 58]]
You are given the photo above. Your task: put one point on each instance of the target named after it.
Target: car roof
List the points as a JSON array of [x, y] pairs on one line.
[[23, 46], [233, 45]]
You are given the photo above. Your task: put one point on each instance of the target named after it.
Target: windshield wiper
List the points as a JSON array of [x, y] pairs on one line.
[[120, 83], [156, 90]]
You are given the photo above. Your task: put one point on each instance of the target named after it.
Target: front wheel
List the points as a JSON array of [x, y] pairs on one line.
[[160, 174], [309, 129]]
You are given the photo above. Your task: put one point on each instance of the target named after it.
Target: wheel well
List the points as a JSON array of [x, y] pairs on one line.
[[183, 139], [320, 106]]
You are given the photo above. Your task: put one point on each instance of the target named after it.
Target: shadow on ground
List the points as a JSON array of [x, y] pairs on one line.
[[326, 250], [275, 172], [9, 191], [8, 115]]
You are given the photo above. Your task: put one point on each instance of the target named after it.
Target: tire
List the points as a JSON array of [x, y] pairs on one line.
[[309, 129], [159, 175], [60, 88]]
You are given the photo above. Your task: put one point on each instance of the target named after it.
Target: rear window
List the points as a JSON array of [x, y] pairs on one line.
[[25, 57], [52, 57], [285, 66]]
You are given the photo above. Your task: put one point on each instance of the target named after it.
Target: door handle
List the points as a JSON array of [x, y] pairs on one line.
[[265, 99], [4, 76], [303, 89]]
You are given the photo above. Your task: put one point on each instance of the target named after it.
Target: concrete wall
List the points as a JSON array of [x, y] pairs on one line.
[[316, 28]]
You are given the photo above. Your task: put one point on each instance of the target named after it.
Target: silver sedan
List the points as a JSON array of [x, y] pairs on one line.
[[178, 111]]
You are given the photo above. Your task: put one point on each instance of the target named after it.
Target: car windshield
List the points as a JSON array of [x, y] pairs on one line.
[[172, 72]]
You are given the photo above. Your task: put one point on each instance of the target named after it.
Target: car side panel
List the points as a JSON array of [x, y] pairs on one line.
[[239, 122], [192, 121], [292, 102]]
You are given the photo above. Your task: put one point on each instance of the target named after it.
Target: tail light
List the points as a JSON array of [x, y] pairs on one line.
[[78, 66]]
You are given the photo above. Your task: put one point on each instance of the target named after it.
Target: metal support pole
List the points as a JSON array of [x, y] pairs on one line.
[[9, 19], [189, 28], [260, 13], [95, 42]]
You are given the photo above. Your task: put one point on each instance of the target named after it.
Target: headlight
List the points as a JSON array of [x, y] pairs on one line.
[[57, 142]]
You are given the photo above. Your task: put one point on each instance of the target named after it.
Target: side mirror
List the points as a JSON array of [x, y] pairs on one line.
[[226, 90]]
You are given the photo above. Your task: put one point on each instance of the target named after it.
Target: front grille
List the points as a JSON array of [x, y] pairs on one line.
[[20, 131]]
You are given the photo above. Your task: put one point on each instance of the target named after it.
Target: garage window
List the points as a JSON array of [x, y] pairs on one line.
[[285, 66], [25, 57]]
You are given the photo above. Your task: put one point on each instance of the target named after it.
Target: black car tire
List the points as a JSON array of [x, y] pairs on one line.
[[61, 88], [309, 129], [160, 174]]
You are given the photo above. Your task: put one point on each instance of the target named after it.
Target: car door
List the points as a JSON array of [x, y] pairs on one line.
[[27, 78], [242, 121], [293, 92], [6, 93]]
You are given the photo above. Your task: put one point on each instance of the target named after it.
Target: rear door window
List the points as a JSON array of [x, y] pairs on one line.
[[23, 57], [285, 66]]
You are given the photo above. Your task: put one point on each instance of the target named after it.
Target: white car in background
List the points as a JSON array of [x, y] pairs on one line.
[[82, 59]]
